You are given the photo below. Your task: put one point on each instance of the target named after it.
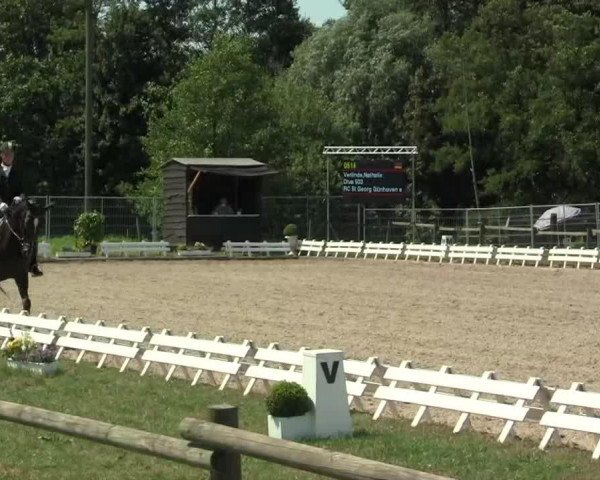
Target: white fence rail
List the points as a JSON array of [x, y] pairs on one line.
[[366, 380], [575, 256]]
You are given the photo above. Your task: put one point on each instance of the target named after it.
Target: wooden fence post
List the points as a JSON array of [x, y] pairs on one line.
[[554, 228], [225, 465], [481, 232]]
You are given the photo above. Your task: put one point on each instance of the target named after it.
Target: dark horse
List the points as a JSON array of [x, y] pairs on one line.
[[18, 230]]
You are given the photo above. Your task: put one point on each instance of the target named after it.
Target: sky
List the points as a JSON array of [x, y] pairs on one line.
[[320, 10]]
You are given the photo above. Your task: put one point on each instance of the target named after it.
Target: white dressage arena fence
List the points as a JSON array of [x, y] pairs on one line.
[[582, 420], [256, 248], [203, 356], [429, 251], [367, 381], [472, 252], [350, 248], [574, 256], [311, 246], [422, 389], [388, 250], [443, 252], [96, 338], [127, 249]]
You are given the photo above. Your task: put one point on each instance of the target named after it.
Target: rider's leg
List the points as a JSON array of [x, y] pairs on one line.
[[33, 265], [22, 282]]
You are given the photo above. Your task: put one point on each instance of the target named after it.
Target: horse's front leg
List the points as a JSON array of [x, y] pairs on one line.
[[22, 281]]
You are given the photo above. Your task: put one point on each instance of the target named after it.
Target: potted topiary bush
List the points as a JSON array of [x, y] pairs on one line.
[[290, 412], [89, 230], [290, 232]]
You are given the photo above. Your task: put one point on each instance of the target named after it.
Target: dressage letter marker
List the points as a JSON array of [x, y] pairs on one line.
[[325, 381]]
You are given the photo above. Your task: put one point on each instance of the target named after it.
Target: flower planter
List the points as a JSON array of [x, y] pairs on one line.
[[291, 428], [37, 368]]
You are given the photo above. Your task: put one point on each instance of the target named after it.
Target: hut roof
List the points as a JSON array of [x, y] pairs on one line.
[[243, 167]]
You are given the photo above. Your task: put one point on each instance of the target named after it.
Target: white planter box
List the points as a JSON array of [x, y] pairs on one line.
[[194, 253], [291, 428], [293, 241], [38, 368], [73, 254]]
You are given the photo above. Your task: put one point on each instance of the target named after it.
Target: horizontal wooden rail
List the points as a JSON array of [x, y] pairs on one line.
[[296, 455], [138, 441]]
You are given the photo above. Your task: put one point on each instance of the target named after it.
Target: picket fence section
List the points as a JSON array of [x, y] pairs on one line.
[[488, 254], [367, 381]]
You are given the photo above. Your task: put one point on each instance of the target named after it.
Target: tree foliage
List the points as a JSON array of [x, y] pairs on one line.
[[512, 84], [527, 76]]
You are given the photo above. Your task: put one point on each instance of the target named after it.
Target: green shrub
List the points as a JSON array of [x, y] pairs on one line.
[[88, 229], [288, 399], [290, 230]]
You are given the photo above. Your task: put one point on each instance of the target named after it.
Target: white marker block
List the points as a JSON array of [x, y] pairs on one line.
[[324, 379]]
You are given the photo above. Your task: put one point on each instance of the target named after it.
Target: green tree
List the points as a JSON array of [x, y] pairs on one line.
[[142, 48], [304, 122], [218, 109], [525, 74], [274, 24], [41, 95]]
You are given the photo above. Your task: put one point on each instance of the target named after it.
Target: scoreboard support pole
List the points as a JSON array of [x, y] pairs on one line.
[[413, 216], [374, 150]]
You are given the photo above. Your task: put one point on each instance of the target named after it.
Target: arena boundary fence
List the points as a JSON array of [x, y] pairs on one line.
[[368, 381], [453, 253]]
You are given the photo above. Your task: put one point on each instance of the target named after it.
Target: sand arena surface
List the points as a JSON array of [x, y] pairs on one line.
[[520, 322]]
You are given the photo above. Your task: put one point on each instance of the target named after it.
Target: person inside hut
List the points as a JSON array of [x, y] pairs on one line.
[[223, 208]]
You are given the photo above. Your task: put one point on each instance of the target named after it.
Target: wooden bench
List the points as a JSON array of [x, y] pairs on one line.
[[418, 250], [98, 339], [197, 354], [290, 369], [573, 255], [261, 248], [520, 254], [585, 402], [42, 330], [346, 248], [472, 252], [310, 246], [138, 248], [425, 393], [385, 249]]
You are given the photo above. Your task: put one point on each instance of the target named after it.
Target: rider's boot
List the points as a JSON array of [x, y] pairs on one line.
[[35, 271]]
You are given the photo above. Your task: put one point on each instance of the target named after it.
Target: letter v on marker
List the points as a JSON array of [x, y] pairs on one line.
[[330, 375]]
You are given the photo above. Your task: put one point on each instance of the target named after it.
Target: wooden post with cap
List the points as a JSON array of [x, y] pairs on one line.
[[225, 464]]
